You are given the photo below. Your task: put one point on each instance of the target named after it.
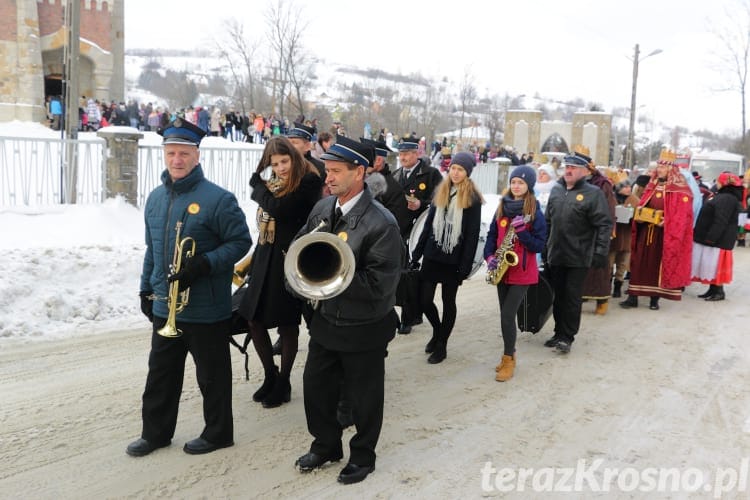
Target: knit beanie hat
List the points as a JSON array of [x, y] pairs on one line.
[[466, 160], [525, 173]]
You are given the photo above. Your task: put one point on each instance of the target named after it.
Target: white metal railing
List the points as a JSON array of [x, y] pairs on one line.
[[228, 166], [33, 171]]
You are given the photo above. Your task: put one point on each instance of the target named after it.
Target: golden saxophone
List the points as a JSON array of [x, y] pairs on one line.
[[505, 256]]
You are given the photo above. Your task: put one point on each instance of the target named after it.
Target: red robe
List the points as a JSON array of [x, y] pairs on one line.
[[677, 249]]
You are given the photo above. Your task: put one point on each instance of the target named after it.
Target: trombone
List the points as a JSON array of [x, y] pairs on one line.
[[177, 300]]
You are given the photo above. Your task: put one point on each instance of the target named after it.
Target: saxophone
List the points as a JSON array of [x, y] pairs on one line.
[[505, 255]]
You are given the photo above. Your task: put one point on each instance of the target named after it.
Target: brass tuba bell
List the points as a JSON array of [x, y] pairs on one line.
[[319, 266]]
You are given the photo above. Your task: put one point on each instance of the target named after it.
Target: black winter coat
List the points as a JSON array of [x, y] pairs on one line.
[[423, 182], [267, 300], [717, 221], [394, 200], [462, 256]]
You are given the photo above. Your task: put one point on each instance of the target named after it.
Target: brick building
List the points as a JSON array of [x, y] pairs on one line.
[[32, 39]]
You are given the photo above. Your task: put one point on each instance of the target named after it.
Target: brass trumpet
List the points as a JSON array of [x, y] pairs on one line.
[[177, 300]]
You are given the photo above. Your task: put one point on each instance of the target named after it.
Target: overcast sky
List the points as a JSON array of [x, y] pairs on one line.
[[559, 49]]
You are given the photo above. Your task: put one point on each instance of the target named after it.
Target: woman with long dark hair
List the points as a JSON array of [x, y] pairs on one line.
[[448, 243], [284, 202], [520, 211]]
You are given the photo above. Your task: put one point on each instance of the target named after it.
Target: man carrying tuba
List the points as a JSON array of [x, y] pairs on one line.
[[350, 331], [209, 216]]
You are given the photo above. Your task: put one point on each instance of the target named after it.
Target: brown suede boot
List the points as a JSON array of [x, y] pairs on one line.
[[601, 308], [506, 368]]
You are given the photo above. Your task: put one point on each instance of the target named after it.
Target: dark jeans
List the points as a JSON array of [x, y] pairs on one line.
[[510, 297], [567, 283], [209, 346]]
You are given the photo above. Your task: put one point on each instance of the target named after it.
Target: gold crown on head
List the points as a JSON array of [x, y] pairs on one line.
[[580, 148], [667, 156]]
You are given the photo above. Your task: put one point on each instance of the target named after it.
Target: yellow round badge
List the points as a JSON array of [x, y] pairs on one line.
[[579, 197], [503, 223], [422, 186], [685, 198], [343, 235], [193, 208], [658, 195]]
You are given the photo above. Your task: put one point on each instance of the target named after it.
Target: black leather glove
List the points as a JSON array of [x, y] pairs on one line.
[[414, 265], [599, 261], [192, 269], [147, 305]]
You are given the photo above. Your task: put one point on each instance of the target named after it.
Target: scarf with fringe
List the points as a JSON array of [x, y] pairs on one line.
[[446, 225], [266, 223]]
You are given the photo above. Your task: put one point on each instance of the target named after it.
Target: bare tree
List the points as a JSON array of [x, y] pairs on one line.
[[467, 94], [239, 53], [286, 27], [734, 53]]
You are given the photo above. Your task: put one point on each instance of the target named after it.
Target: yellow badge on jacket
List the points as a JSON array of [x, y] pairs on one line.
[[579, 197], [343, 235], [503, 223], [193, 208], [422, 186]]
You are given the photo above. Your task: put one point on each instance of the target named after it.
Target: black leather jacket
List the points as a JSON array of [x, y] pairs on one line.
[[373, 235], [579, 223]]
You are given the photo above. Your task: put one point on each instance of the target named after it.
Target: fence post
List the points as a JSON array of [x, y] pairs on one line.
[[121, 162]]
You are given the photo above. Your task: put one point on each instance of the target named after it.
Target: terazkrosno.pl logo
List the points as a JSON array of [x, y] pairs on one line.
[[592, 476]]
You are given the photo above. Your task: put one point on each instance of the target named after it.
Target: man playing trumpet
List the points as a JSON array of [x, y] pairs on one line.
[[211, 217]]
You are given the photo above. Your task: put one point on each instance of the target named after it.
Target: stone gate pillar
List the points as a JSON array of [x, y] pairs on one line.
[[122, 162]]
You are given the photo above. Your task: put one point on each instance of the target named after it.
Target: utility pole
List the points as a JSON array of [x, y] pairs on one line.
[[631, 127], [69, 170]]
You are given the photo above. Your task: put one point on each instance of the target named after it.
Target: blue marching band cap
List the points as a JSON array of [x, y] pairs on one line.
[[349, 151], [181, 131], [301, 131], [577, 160], [380, 147], [408, 144]]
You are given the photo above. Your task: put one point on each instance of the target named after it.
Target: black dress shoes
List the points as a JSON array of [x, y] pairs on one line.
[[404, 329], [353, 473], [140, 447], [199, 446], [311, 461]]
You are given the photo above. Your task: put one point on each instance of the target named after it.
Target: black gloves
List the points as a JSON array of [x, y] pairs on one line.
[[414, 265], [192, 269], [599, 261], [147, 305]]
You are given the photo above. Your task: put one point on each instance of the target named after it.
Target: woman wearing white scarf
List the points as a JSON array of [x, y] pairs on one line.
[[546, 178], [448, 243]]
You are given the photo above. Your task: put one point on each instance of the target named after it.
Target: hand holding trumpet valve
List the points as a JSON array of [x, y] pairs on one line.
[[194, 267]]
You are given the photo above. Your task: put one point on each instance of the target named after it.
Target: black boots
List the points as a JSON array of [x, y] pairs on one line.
[[718, 294], [632, 301], [281, 393], [268, 384], [439, 353], [430, 347], [617, 291], [654, 304], [713, 294]]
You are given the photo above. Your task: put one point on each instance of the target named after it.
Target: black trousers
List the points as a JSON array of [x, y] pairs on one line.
[[567, 283], [363, 376], [209, 346]]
